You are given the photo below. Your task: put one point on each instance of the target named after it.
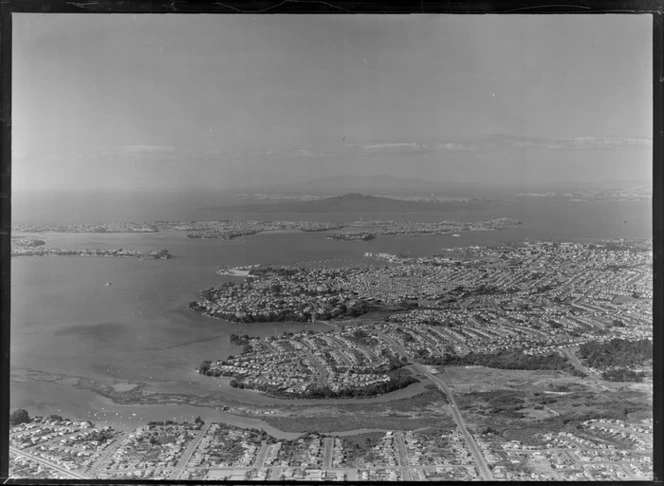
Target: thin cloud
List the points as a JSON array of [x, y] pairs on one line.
[[147, 149], [115, 150], [394, 145], [454, 146], [574, 143], [599, 143], [312, 153]]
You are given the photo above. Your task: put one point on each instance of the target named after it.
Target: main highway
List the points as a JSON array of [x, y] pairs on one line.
[[480, 460], [470, 440], [47, 463]]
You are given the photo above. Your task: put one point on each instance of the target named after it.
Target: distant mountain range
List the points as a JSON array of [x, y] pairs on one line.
[[372, 183], [355, 202], [411, 186], [352, 183]]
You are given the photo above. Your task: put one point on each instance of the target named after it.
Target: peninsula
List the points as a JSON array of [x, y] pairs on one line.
[[118, 253]]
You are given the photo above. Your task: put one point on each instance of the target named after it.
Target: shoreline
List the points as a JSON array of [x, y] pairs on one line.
[[127, 406], [241, 271], [154, 393], [125, 393], [233, 273]]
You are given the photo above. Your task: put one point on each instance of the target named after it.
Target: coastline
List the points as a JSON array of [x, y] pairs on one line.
[[124, 393], [242, 271], [148, 323], [126, 406]]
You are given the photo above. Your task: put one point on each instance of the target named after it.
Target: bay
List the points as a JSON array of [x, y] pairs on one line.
[[138, 330]]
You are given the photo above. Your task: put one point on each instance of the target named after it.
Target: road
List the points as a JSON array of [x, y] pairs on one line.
[[575, 361], [54, 440], [269, 346], [188, 452], [47, 463], [328, 443], [402, 456], [106, 453], [480, 461], [322, 372], [341, 345], [261, 455], [482, 465]]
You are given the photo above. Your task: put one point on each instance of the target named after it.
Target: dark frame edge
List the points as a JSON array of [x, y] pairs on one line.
[[337, 6], [654, 8], [658, 242], [5, 226]]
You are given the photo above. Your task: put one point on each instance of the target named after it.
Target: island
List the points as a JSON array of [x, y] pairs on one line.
[[27, 242], [233, 229], [244, 271], [129, 227], [118, 253], [362, 236], [228, 230]]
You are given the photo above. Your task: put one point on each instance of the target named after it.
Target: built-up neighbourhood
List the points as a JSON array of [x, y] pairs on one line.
[[602, 449], [18, 250], [572, 285], [294, 363], [416, 228], [598, 450], [230, 229], [537, 299], [282, 294], [128, 227]]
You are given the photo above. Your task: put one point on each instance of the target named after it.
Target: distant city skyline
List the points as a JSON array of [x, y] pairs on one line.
[[214, 102]]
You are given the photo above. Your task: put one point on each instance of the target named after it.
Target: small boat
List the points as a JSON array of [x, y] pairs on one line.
[[108, 284]]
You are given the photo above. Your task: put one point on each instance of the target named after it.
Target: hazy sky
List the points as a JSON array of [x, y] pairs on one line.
[[207, 101]]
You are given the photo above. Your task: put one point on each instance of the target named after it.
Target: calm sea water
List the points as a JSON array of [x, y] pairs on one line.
[[546, 217], [66, 320]]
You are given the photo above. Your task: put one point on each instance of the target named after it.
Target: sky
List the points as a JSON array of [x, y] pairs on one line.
[[209, 102]]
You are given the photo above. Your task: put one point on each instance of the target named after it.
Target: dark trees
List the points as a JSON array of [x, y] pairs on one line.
[[19, 416]]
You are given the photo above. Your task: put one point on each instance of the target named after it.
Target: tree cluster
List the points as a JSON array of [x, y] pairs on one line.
[[623, 374], [617, 352], [281, 271], [204, 367], [506, 360], [18, 417], [398, 379]]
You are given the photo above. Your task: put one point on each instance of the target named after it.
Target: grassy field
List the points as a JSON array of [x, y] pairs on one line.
[[519, 404], [462, 379], [431, 398], [430, 402], [351, 422], [363, 440], [522, 414]]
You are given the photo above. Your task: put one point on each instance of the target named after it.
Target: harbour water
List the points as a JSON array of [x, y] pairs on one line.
[[67, 321]]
